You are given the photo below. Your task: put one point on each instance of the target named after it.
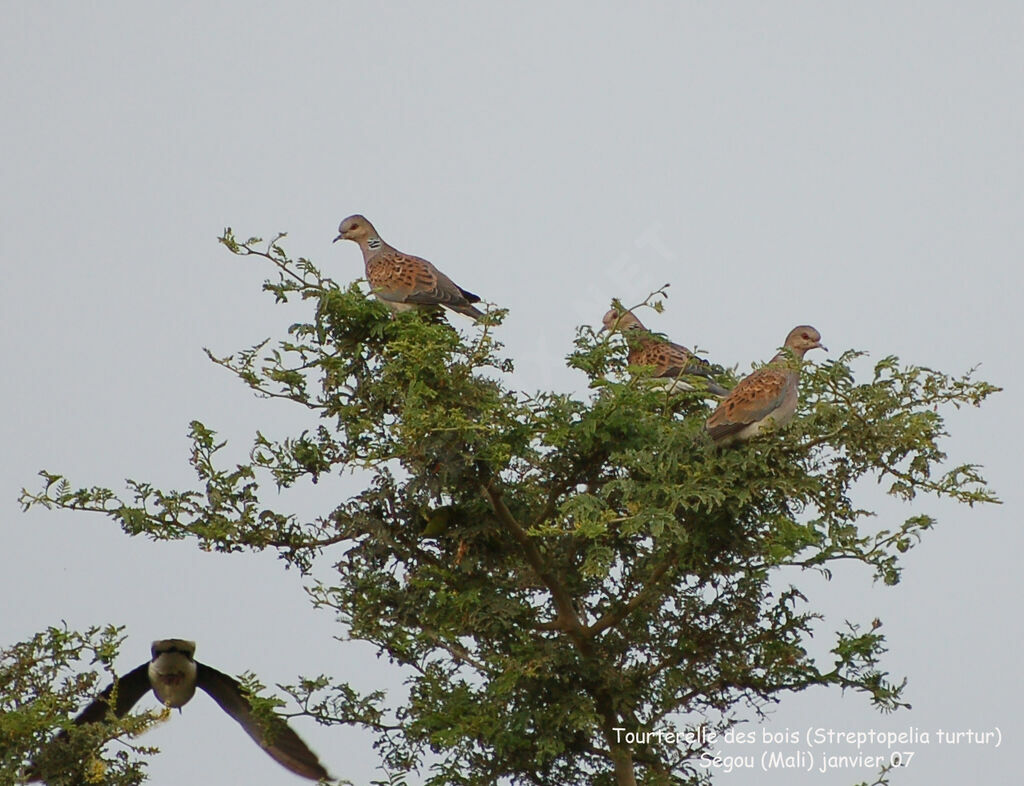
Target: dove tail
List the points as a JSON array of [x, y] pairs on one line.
[[468, 310]]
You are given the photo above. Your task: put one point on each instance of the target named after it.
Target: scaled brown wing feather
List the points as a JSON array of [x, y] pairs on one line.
[[283, 744], [752, 399], [671, 361], [402, 278], [394, 276], [679, 360], [434, 288], [442, 291]]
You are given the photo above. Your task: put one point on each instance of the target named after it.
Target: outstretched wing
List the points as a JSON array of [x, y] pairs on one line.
[[283, 744], [130, 688]]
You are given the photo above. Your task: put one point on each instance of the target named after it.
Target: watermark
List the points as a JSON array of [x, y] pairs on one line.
[[814, 749]]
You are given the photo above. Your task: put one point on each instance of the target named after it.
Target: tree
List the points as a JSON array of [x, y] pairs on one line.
[[42, 681], [597, 566]]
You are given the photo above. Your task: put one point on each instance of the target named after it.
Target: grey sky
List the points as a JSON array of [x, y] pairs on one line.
[[857, 167]]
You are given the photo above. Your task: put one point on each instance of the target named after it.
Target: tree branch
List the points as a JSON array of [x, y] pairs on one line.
[[567, 619], [615, 616]]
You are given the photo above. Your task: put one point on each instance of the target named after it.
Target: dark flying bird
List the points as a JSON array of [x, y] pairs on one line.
[[173, 675]]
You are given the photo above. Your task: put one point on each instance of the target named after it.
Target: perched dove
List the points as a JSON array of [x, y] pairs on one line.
[[173, 675], [767, 396], [670, 361], [403, 281]]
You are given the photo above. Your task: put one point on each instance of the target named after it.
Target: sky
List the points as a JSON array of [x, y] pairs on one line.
[[856, 167]]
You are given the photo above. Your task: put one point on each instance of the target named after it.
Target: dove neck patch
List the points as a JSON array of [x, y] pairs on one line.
[[373, 243]]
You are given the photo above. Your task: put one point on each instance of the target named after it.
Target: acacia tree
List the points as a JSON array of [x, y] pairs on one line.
[[42, 681], [590, 564]]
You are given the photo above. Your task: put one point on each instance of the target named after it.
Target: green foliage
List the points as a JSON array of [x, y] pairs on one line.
[[42, 681], [600, 564]]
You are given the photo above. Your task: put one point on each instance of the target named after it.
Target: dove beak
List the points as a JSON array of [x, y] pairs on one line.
[[819, 345], [339, 237]]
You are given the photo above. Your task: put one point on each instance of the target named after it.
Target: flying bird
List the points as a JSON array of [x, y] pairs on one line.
[[767, 396], [671, 362], [173, 675], [402, 280]]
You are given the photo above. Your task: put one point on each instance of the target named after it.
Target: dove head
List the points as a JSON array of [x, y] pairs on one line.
[[618, 320], [803, 338], [355, 228], [180, 646]]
